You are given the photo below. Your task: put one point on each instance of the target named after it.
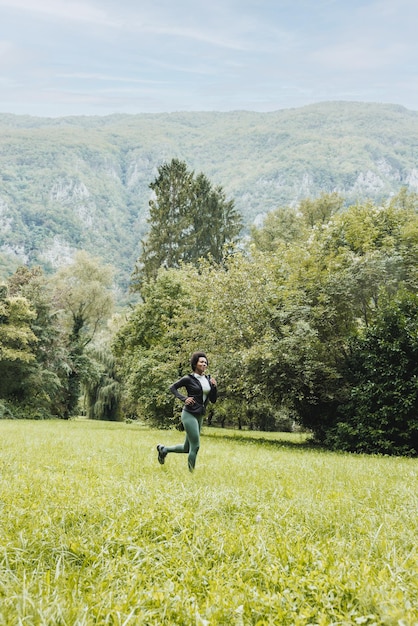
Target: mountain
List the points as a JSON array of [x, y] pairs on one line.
[[82, 182]]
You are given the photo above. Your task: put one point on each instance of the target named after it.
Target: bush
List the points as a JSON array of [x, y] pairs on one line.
[[381, 412], [6, 411], [9, 410]]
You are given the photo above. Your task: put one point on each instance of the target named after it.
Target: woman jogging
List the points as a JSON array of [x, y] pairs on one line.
[[200, 389]]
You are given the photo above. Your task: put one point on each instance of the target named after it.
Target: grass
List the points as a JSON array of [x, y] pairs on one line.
[[266, 531]]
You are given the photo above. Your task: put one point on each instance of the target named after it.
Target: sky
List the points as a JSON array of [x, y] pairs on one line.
[[98, 57]]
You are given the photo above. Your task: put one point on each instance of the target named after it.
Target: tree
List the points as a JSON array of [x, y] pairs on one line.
[[101, 387], [380, 414], [318, 212], [283, 225], [17, 344], [45, 376], [16, 337], [332, 284], [147, 349], [83, 296], [216, 223], [189, 219]]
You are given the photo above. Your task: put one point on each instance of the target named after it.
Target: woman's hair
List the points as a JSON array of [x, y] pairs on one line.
[[195, 357]]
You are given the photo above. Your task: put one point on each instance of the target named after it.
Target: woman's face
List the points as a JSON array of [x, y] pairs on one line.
[[201, 366]]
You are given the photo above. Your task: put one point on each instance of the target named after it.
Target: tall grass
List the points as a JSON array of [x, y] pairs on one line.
[[266, 531]]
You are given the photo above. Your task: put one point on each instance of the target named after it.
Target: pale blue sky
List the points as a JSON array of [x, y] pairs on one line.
[[96, 57]]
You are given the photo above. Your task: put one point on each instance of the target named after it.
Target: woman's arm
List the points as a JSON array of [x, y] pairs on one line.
[[213, 394], [175, 389]]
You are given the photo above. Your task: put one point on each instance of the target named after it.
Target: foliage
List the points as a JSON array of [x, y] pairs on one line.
[[340, 277], [282, 225], [83, 182], [94, 531], [43, 380], [82, 291], [6, 410], [17, 345], [277, 321], [16, 336], [380, 414], [101, 387], [189, 220], [319, 211], [147, 350]]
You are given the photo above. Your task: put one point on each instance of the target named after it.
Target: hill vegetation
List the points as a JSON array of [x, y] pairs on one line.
[[83, 182]]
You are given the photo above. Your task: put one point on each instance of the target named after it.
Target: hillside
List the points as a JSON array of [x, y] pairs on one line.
[[82, 182]]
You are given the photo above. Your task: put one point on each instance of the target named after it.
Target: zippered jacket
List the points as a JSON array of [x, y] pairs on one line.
[[194, 390]]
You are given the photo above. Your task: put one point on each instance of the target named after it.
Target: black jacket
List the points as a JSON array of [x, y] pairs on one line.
[[194, 389]]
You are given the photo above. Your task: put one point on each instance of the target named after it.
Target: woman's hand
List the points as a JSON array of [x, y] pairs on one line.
[[212, 381], [189, 401]]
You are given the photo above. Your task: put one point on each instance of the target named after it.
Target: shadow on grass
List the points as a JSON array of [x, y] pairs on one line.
[[275, 440], [293, 441]]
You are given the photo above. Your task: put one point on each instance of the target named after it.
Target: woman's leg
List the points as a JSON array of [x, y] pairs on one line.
[[192, 426]]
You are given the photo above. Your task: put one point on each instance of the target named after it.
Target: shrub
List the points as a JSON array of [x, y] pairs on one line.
[[381, 412]]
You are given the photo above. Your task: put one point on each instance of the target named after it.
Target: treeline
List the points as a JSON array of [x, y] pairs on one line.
[[54, 340], [311, 320]]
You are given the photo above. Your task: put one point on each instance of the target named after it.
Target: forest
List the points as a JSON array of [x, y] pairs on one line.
[[309, 321]]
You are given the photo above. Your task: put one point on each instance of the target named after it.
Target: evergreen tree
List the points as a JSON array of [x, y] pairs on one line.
[[189, 219]]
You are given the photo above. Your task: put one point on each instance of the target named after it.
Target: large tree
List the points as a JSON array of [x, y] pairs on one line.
[[84, 298], [43, 378], [147, 347], [17, 348], [189, 219], [380, 413]]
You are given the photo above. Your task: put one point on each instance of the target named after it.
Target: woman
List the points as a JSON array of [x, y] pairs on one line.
[[200, 389]]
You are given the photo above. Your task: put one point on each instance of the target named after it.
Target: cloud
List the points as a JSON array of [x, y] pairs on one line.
[[58, 9], [106, 56], [358, 56], [9, 54]]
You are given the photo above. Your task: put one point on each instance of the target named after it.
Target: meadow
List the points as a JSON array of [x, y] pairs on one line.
[[266, 531]]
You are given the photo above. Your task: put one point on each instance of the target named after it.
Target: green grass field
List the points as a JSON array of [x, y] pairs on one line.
[[266, 531]]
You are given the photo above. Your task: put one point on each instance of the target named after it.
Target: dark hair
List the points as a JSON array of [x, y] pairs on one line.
[[195, 357]]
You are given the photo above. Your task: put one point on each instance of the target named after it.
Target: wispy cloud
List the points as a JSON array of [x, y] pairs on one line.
[[106, 55], [58, 10], [358, 56]]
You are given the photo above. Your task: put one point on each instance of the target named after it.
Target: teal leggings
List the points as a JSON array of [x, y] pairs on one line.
[[192, 425]]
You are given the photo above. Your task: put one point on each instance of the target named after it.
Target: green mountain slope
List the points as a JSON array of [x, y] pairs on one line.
[[82, 182]]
